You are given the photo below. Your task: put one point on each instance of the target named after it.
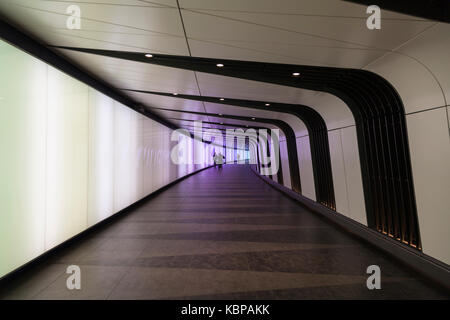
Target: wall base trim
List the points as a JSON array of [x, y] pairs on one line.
[[90, 230], [429, 267]]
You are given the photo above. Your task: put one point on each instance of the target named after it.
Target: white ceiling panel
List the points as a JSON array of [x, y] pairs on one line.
[[338, 30], [121, 41], [325, 8], [95, 16], [285, 53], [304, 32]]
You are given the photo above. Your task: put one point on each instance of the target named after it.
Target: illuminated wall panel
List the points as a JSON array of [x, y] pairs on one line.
[[147, 154], [135, 160], [67, 157], [206, 155], [23, 119], [182, 155], [199, 154], [252, 153], [209, 155], [101, 153], [157, 145], [122, 156], [229, 156], [163, 156], [169, 170], [173, 168], [190, 155], [165, 159], [70, 157], [240, 156]]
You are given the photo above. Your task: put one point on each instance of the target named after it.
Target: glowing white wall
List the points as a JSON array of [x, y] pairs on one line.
[[122, 161], [148, 155], [23, 118], [67, 157], [101, 150], [229, 156], [70, 157]]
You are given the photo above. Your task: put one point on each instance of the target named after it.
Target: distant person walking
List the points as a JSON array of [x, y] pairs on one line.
[[218, 159]]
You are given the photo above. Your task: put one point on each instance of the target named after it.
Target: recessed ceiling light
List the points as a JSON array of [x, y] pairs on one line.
[[149, 55], [267, 104], [221, 123], [296, 74], [220, 114], [220, 65], [253, 118], [221, 99], [175, 94]]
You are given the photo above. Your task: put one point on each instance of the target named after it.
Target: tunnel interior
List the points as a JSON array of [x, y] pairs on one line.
[[322, 143]]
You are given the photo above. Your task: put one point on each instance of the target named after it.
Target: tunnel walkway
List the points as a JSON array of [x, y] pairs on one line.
[[218, 235]]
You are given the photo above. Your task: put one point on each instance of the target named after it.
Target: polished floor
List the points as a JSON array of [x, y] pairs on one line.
[[219, 235]]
